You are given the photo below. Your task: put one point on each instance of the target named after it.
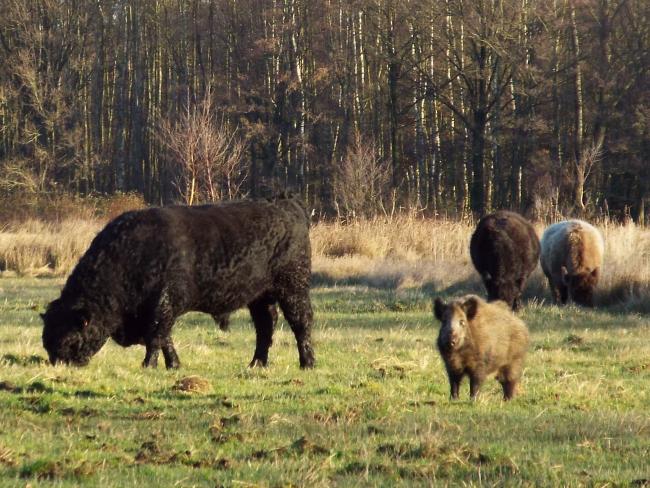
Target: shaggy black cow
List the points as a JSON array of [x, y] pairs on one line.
[[505, 250], [148, 267]]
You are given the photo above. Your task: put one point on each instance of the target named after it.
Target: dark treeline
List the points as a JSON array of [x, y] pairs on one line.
[[452, 106]]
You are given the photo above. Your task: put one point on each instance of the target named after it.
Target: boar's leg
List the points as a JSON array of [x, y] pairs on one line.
[[296, 307], [265, 316], [508, 389], [509, 376], [475, 381], [454, 383]]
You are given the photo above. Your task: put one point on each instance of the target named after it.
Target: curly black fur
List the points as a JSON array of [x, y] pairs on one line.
[[505, 250], [148, 267]]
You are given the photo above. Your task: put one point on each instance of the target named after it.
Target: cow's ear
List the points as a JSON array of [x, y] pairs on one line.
[[438, 309], [470, 306], [595, 272], [564, 272]]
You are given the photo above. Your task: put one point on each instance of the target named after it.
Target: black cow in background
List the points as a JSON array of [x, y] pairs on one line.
[[148, 267], [505, 250], [223, 321]]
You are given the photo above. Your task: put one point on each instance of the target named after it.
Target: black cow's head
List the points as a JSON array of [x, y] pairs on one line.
[[69, 336], [508, 290]]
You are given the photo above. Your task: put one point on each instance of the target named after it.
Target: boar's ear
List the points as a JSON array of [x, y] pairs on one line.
[[564, 272], [470, 306], [438, 309]]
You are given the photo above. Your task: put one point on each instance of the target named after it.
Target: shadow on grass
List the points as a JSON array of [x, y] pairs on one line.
[[392, 283], [23, 360], [617, 294], [367, 281]]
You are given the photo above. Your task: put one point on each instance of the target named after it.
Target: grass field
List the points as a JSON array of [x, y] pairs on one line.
[[374, 412]]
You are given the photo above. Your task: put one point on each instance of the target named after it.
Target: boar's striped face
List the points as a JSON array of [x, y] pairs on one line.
[[454, 322]]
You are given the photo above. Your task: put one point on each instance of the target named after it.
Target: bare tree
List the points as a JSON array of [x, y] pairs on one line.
[[361, 181], [206, 154], [589, 158]]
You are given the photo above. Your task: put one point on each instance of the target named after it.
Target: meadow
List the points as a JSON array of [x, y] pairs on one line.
[[375, 411]]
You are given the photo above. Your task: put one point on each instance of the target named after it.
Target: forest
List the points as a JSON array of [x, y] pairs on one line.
[[448, 107]]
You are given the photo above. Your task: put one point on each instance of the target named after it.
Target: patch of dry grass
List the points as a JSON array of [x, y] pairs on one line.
[[37, 248], [414, 252], [404, 237], [403, 252]]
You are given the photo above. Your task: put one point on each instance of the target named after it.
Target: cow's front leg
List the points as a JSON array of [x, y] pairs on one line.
[[159, 334], [151, 356], [171, 358]]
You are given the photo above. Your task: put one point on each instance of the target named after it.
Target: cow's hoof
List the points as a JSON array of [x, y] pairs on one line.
[[174, 365], [257, 363], [307, 364], [306, 358]]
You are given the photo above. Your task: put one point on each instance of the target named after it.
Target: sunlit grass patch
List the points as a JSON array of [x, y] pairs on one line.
[[374, 411]]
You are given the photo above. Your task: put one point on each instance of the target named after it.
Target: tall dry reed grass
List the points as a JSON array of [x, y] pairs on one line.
[[414, 252], [401, 252], [38, 248]]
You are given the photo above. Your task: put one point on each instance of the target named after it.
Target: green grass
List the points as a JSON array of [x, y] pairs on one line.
[[375, 411]]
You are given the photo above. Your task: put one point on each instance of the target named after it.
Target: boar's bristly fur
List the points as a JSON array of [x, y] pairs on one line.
[[478, 338]]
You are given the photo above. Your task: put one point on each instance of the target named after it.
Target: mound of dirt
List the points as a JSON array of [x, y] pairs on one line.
[[193, 384]]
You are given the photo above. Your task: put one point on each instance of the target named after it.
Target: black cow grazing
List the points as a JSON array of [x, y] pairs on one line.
[[148, 267], [505, 250], [223, 321]]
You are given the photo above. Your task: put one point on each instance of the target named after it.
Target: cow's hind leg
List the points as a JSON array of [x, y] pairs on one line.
[[555, 291], [564, 293], [296, 307], [264, 317], [222, 320]]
